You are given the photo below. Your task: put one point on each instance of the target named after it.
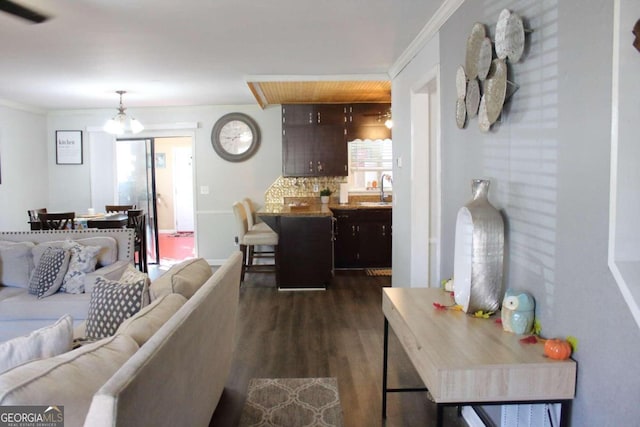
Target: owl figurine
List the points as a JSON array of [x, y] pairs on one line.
[[518, 312]]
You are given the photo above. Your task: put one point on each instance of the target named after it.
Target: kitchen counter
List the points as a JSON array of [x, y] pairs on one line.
[[316, 209]]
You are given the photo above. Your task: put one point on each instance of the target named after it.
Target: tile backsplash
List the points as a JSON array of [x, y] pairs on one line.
[[289, 187]]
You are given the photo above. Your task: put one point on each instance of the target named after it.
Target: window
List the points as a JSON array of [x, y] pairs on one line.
[[368, 161]]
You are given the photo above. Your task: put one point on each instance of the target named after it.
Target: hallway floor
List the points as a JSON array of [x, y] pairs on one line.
[[175, 247]]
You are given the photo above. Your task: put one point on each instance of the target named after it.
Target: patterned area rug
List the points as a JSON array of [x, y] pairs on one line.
[[292, 402], [378, 271]]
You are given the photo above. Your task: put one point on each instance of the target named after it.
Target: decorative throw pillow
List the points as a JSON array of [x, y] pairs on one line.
[[47, 277], [112, 303], [82, 261], [132, 275], [49, 341]]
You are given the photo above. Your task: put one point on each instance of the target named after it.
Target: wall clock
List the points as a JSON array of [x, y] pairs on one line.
[[235, 137]]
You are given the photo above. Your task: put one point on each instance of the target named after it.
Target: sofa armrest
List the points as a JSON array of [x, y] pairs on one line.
[[112, 272]]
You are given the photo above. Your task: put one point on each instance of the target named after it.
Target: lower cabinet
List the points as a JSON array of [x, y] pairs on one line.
[[306, 251], [362, 238]]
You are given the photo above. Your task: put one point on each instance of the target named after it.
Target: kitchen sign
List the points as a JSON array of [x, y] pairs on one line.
[[69, 147]]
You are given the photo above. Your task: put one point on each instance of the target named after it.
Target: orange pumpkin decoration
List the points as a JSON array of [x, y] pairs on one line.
[[557, 349]]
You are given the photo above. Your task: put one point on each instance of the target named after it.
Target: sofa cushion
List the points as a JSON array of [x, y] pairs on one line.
[[16, 263], [17, 304], [49, 341], [108, 248], [82, 261], [47, 277], [184, 278], [142, 325], [112, 303], [70, 379]]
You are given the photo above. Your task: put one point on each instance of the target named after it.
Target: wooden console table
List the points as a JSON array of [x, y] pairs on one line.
[[464, 360]]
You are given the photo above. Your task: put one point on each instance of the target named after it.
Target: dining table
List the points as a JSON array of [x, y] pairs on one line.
[[110, 220]]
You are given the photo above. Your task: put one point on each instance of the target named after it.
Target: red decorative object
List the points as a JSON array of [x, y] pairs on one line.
[[557, 349], [531, 339], [439, 306]]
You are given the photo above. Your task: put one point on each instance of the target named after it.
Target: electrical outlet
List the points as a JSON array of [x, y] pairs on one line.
[[204, 189], [316, 188]]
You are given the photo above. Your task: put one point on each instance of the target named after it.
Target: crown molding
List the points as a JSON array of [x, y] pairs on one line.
[[22, 107], [430, 29]]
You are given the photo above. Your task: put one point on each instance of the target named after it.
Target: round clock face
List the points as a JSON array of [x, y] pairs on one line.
[[235, 137]]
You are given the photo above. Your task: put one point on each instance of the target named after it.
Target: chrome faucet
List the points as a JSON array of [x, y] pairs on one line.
[[382, 178]]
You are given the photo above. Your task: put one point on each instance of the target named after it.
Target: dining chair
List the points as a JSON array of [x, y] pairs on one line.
[[34, 221], [137, 221], [118, 208], [57, 220], [252, 219], [250, 239]]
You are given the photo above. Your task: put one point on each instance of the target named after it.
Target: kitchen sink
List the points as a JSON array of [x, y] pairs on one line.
[[374, 204]]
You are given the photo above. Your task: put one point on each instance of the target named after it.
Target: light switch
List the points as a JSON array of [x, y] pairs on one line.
[[399, 161], [204, 189]]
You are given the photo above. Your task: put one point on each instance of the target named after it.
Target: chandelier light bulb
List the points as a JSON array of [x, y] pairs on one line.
[[120, 123]]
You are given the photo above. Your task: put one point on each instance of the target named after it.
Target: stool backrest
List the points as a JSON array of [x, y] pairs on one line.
[[241, 220]]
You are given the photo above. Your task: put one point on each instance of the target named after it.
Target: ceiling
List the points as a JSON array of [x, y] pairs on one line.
[[200, 52]]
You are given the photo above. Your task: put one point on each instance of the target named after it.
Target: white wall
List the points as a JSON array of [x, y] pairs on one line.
[[548, 162], [23, 166], [408, 182], [70, 187]]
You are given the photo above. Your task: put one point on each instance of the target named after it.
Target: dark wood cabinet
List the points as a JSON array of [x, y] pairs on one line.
[[314, 140], [306, 251], [362, 238], [366, 121]]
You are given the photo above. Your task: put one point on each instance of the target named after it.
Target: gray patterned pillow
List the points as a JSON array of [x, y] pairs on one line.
[[83, 260], [47, 277], [112, 303]]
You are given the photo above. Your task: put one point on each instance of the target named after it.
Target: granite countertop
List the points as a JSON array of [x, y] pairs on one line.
[[311, 208]]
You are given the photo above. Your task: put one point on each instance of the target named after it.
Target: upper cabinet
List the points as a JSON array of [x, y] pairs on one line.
[[367, 121], [314, 136], [314, 140]]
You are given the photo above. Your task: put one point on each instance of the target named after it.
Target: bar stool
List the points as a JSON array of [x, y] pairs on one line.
[[252, 224], [249, 239]]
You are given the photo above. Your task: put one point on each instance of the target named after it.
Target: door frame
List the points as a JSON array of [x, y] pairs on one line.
[[426, 200]]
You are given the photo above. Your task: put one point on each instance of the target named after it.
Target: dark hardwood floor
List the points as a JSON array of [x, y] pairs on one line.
[[333, 333]]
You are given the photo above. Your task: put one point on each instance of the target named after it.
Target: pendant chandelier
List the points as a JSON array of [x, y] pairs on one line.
[[121, 123]]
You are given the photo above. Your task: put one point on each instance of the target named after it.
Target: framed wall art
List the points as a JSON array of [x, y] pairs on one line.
[[68, 147]]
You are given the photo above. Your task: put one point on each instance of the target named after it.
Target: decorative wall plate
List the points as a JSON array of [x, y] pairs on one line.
[[461, 113], [484, 58], [495, 89], [472, 99], [478, 34], [483, 120], [509, 36], [461, 82]]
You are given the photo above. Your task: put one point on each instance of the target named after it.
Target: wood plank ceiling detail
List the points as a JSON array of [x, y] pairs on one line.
[[321, 92]]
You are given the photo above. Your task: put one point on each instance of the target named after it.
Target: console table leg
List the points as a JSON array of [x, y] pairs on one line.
[[565, 409], [385, 355], [439, 414]]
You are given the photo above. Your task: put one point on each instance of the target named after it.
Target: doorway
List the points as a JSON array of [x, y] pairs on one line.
[[426, 188], [156, 174]]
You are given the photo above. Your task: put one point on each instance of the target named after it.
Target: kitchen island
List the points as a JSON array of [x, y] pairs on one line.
[[310, 232], [305, 244]]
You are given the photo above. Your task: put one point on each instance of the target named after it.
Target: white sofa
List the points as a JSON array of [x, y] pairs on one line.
[[21, 312], [166, 365]]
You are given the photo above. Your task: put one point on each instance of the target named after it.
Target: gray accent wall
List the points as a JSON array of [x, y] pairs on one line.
[[549, 164]]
